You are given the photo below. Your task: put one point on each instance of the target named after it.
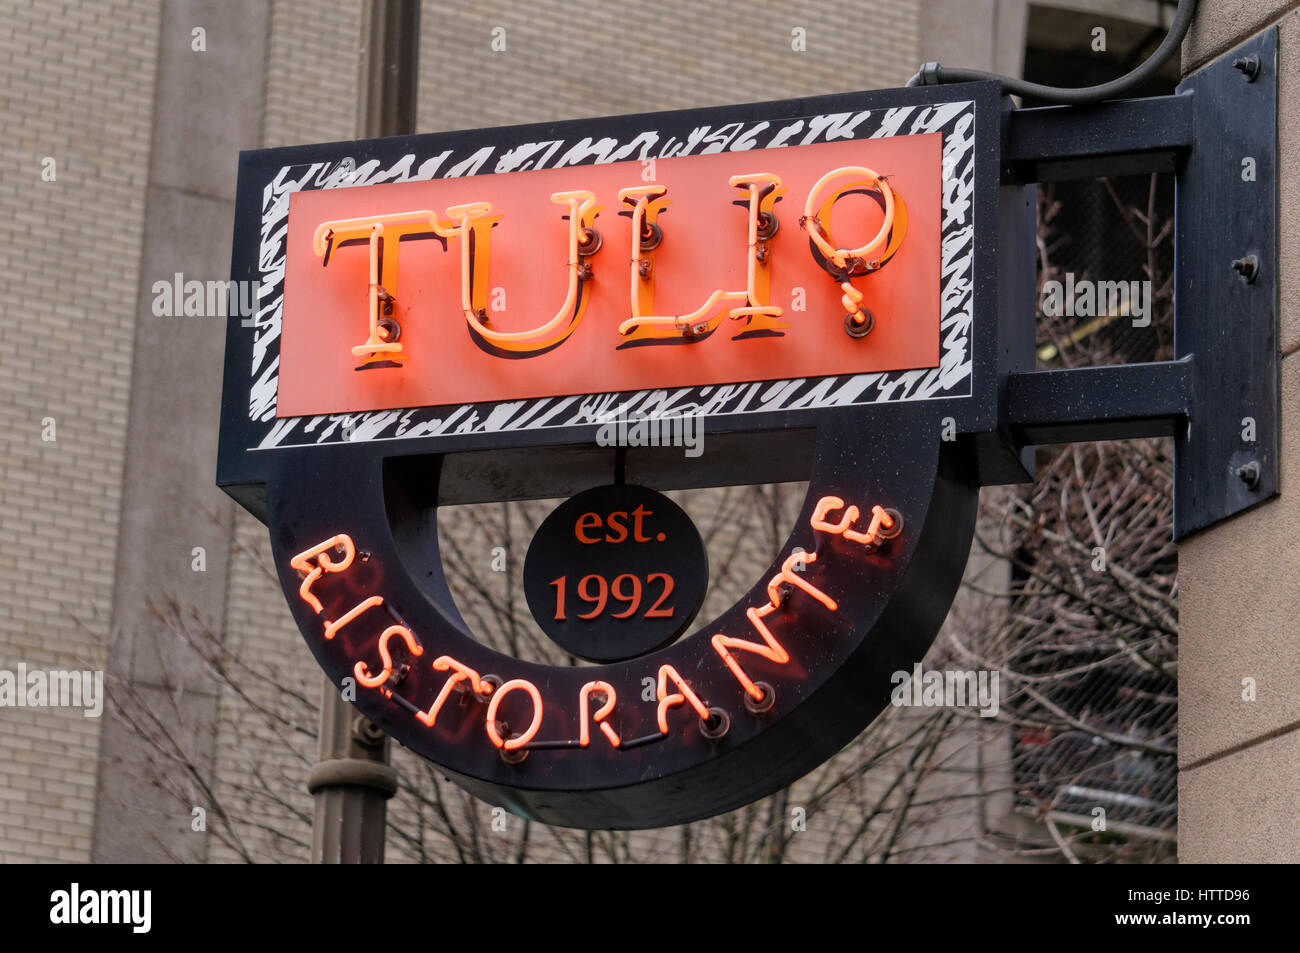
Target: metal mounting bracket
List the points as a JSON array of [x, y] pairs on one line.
[[1226, 290], [1219, 397]]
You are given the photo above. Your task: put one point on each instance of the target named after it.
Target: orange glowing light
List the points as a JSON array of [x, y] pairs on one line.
[[475, 221], [880, 520], [584, 729], [383, 234], [722, 265], [788, 575], [325, 558], [823, 508], [683, 695], [763, 189], [647, 202], [302, 562], [818, 219], [771, 650], [332, 628], [515, 684], [753, 304], [864, 259], [460, 673], [362, 671]]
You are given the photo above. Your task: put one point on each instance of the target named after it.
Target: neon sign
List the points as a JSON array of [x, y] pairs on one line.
[[472, 224], [509, 340], [453, 319], [713, 262], [885, 525]]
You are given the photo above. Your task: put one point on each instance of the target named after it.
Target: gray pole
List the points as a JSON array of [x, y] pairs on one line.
[[353, 780]]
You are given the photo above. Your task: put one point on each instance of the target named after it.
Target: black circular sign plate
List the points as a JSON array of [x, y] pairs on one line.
[[615, 572]]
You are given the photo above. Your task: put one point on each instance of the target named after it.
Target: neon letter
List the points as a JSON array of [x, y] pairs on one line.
[[683, 695], [843, 264], [460, 674], [302, 562], [647, 202], [787, 575], [584, 730], [362, 671], [763, 189], [879, 519], [824, 506], [475, 221], [520, 684], [332, 628], [384, 234], [772, 650]]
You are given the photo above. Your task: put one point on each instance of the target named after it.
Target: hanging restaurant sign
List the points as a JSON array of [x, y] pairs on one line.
[[454, 318], [837, 290]]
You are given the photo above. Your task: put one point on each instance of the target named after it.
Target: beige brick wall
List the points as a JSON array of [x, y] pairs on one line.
[[311, 72], [644, 57], [76, 83]]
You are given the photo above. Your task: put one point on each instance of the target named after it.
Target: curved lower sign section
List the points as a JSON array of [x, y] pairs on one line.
[[741, 707]]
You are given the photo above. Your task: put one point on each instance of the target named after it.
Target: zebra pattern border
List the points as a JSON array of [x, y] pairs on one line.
[[952, 378]]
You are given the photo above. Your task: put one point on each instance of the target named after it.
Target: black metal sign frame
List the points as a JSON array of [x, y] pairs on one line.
[[1218, 135], [481, 462]]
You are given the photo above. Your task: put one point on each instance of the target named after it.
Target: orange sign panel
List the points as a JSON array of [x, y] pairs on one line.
[[783, 263]]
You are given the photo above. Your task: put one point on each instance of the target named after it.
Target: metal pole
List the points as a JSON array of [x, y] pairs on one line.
[[389, 71], [352, 780]]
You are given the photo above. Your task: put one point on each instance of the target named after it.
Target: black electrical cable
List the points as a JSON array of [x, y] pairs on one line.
[[932, 74]]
